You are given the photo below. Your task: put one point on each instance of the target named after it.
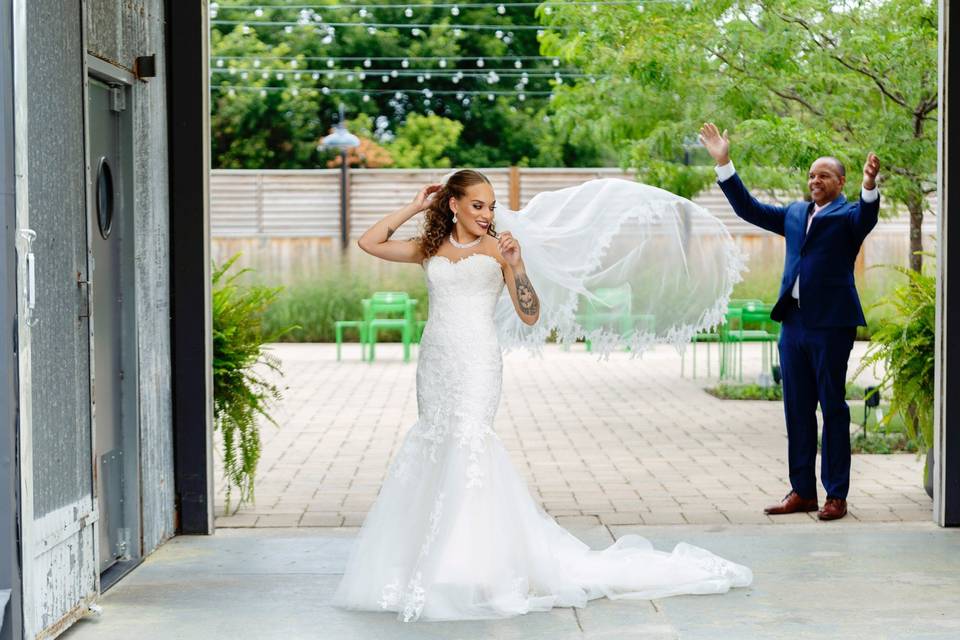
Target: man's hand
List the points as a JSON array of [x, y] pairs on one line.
[[870, 170], [717, 145]]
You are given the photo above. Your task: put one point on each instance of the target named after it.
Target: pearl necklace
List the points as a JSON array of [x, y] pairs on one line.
[[460, 245]]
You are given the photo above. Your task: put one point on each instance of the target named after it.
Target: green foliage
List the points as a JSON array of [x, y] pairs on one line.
[[425, 141], [791, 79], [729, 391], [317, 304], [282, 128], [241, 394], [882, 436], [904, 344]]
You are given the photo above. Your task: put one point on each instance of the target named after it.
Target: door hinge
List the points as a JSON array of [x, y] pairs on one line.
[[118, 99], [83, 286]]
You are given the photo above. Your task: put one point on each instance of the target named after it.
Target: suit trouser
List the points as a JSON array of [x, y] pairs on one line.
[[814, 367]]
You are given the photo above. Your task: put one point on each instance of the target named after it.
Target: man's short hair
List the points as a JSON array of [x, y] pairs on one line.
[[839, 165]]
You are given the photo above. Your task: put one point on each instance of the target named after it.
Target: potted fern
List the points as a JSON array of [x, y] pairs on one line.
[[904, 344], [242, 392]]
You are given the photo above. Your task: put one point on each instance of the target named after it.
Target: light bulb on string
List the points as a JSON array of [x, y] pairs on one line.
[[593, 8], [263, 93], [325, 91], [296, 76], [420, 79], [404, 63], [457, 32], [455, 10], [371, 30], [416, 32], [501, 9], [394, 73], [256, 62], [244, 75], [288, 29], [294, 64], [408, 12], [220, 62], [258, 12], [244, 29], [480, 62], [363, 12], [233, 71], [349, 77], [330, 75], [315, 75], [330, 63], [295, 91], [232, 92], [556, 62], [547, 10], [264, 75], [327, 39], [490, 97], [366, 97], [362, 75], [367, 63], [385, 78], [518, 64]]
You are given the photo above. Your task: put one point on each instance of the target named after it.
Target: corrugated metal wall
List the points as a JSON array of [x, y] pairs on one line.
[[61, 571]]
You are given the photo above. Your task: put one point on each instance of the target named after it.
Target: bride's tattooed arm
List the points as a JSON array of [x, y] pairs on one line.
[[527, 300]]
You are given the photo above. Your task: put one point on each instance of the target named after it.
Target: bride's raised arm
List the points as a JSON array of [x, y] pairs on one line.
[[376, 240], [524, 296]]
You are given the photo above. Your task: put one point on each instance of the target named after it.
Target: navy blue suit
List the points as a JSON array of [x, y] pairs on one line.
[[818, 332]]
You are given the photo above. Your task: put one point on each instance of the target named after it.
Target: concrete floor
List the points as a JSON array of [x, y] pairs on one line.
[[862, 580]]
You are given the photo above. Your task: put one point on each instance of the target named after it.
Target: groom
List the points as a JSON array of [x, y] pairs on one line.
[[819, 311]]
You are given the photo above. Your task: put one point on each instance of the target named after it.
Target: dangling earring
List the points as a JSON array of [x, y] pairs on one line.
[[454, 218]]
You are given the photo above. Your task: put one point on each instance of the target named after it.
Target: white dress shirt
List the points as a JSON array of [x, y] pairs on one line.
[[726, 172]]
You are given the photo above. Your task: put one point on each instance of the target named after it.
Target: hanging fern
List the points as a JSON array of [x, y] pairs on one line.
[[241, 395], [904, 344]]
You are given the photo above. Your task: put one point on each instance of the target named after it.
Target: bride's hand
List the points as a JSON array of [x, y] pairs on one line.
[[509, 248], [422, 199]]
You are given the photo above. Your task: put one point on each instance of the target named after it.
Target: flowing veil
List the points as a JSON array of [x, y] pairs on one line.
[[621, 264]]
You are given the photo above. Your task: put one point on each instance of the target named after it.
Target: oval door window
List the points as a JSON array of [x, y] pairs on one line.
[[104, 198]]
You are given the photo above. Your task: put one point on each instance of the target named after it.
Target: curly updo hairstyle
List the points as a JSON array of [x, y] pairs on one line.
[[438, 219]]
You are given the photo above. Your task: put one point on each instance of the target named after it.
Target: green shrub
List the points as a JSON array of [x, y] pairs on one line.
[[317, 304], [240, 393], [904, 344]]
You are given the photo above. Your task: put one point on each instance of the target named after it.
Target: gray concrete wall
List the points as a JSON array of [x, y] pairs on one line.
[[118, 31]]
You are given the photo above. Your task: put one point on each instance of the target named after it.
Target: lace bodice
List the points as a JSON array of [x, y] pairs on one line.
[[463, 295]]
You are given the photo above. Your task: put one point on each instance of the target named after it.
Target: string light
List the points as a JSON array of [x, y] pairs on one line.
[[246, 24]]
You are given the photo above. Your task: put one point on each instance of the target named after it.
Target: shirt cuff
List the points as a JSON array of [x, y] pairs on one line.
[[725, 172], [869, 195]]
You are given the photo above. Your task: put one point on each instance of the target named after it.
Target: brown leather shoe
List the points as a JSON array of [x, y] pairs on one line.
[[833, 509], [792, 503]]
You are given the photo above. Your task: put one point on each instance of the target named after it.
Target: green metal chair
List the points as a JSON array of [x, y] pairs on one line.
[[390, 310], [755, 325], [611, 306], [360, 326]]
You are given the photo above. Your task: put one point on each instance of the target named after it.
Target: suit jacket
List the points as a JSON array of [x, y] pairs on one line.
[[824, 257]]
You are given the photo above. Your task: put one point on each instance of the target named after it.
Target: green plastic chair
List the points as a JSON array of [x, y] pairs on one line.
[[390, 310]]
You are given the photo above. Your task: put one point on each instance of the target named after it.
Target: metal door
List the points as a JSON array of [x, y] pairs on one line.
[[110, 228]]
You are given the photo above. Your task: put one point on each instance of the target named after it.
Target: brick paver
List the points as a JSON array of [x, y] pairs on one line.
[[623, 441]]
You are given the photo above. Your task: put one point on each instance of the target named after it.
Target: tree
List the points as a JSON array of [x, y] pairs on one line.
[[792, 80], [424, 141], [279, 129]]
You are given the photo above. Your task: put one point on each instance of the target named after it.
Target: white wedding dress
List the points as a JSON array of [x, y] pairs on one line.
[[455, 533]]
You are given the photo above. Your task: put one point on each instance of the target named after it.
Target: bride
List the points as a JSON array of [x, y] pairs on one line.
[[454, 533]]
